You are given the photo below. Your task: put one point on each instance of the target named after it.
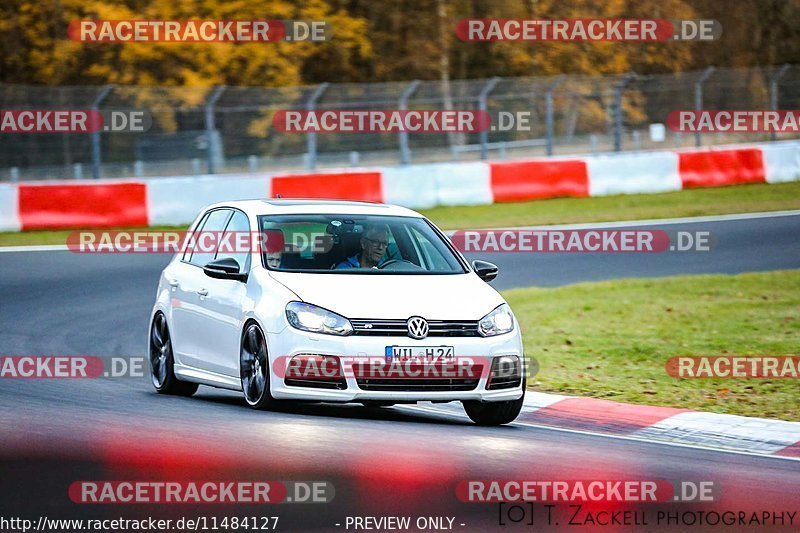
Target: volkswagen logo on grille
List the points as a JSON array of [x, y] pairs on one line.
[[417, 327]]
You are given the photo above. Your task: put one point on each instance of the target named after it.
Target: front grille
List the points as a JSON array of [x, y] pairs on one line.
[[417, 385], [398, 328]]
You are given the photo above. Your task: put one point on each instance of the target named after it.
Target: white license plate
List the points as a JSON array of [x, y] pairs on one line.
[[420, 353]]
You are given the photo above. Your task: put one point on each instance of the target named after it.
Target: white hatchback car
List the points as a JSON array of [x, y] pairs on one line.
[[349, 281]]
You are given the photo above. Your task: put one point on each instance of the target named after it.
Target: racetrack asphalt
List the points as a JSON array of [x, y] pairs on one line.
[[404, 459], [737, 245]]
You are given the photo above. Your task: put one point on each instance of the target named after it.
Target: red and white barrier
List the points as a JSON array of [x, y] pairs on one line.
[[409, 186], [635, 173], [71, 204], [177, 200], [9, 208], [716, 167], [361, 185], [781, 161], [536, 179]]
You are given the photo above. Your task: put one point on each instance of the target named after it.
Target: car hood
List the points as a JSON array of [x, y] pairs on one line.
[[386, 296]]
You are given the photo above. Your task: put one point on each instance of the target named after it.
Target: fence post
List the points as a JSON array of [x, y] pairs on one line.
[[698, 98], [405, 153], [637, 140], [96, 155], [483, 105], [210, 127], [773, 90], [618, 109], [549, 118], [311, 136]]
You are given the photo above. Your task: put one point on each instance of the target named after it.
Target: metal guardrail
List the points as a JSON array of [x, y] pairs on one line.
[[229, 128], [502, 147]]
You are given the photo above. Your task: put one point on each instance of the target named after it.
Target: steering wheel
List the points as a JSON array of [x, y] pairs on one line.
[[399, 264]]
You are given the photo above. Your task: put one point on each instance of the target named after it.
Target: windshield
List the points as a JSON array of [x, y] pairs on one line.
[[357, 244]]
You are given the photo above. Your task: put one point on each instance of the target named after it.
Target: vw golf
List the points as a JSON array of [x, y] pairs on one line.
[[338, 286]]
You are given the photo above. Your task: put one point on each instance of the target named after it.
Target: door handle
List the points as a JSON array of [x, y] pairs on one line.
[[203, 292]]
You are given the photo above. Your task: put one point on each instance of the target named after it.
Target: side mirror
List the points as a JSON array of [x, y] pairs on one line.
[[485, 270], [225, 268]]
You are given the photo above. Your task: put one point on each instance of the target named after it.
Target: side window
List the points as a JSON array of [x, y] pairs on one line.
[[215, 223], [238, 225], [187, 254]]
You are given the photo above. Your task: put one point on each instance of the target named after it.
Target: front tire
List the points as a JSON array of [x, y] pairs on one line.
[[494, 413], [254, 369], [162, 362]]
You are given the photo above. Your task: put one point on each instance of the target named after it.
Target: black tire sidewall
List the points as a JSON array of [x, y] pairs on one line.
[[171, 384], [266, 401], [495, 413]]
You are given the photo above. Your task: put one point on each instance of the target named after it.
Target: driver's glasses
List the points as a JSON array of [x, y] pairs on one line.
[[377, 244]]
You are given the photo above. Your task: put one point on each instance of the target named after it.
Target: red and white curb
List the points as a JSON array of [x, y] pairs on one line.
[[760, 436]]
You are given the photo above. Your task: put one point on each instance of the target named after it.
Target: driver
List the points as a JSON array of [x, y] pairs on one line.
[[374, 243]]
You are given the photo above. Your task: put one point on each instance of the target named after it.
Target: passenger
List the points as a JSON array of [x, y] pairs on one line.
[[274, 250], [274, 260], [374, 243]]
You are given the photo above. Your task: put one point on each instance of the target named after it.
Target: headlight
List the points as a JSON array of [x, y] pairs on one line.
[[309, 317], [499, 321]]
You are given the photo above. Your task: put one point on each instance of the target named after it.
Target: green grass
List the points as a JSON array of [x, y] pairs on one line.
[[693, 202], [696, 202], [612, 339], [30, 238]]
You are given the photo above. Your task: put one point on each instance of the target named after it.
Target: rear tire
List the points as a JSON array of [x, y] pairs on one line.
[[494, 413], [254, 369], [162, 362]]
